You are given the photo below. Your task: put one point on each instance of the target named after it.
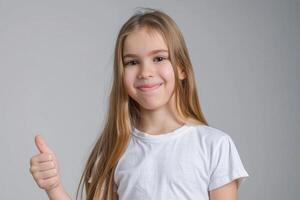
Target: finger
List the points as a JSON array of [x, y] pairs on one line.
[[40, 158], [47, 174], [43, 167], [41, 145], [48, 183], [51, 182], [47, 166]]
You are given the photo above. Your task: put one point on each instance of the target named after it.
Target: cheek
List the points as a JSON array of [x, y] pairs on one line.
[[168, 74], [128, 79]]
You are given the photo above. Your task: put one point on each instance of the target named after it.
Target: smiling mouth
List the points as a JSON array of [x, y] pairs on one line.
[[148, 89]]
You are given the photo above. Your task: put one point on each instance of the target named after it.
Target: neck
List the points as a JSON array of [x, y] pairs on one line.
[[158, 121]]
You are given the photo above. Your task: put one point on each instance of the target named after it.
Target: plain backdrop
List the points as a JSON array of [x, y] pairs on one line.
[[56, 70]]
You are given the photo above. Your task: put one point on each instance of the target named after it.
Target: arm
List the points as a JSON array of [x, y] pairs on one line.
[[227, 192], [58, 194]]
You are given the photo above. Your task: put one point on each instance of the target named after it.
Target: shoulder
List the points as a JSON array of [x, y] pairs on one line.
[[206, 130], [209, 136]]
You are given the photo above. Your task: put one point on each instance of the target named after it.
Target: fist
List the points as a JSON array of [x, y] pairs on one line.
[[44, 166]]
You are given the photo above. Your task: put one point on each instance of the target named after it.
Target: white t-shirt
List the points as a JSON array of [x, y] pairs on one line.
[[183, 164]]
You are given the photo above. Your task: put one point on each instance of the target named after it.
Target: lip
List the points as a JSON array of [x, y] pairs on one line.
[[149, 87]]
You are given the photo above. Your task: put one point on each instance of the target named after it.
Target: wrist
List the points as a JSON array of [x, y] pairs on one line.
[[57, 193]]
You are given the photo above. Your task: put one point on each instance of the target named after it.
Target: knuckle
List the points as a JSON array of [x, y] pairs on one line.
[[40, 182], [31, 170], [31, 161], [37, 175]]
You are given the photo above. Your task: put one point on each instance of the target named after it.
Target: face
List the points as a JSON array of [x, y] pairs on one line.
[[148, 74]]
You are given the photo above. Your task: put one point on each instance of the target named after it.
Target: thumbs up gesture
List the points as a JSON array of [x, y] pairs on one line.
[[44, 167]]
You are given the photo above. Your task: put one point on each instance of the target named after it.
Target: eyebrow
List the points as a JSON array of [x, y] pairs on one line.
[[150, 53]]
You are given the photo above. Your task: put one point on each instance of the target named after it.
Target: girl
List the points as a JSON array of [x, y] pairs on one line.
[[156, 143]]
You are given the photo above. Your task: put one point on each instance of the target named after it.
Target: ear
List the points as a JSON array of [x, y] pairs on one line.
[[181, 73]]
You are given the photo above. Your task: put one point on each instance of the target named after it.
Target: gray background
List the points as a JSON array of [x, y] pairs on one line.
[[56, 69]]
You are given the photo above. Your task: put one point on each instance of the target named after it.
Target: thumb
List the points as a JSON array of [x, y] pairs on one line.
[[41, 145]]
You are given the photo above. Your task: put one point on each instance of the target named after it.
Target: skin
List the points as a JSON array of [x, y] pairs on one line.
[[44, 168], [227, 192], [157, 107], [158, 113]]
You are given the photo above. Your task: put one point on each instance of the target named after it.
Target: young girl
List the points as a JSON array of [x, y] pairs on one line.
[[156, 143]]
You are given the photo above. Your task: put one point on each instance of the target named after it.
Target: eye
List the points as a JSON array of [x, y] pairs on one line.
[[159, 58], [131, 62]]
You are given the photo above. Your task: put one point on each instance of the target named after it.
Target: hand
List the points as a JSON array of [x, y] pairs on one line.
[[44, 167]]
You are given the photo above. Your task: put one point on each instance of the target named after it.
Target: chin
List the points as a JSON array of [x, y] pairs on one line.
[[151, 105]]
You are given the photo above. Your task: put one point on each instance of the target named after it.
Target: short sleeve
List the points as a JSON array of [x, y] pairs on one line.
[[226, 164]]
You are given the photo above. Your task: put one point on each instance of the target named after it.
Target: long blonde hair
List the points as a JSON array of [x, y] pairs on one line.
[[123, 113]]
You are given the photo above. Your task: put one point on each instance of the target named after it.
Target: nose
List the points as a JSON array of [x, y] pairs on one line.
[[146, 70]]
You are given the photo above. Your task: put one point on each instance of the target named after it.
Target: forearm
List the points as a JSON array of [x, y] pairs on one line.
[[58, 193]]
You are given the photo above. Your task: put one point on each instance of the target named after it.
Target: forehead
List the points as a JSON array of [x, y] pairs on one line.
[[141, 42]]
